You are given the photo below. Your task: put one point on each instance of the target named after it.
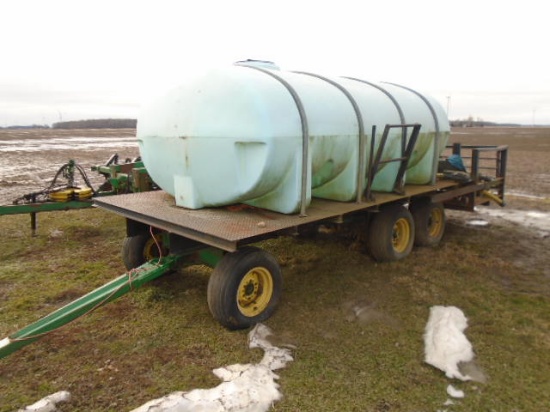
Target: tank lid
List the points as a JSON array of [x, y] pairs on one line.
[[264, 64]]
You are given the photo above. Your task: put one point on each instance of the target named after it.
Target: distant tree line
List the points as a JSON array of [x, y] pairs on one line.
[[97, 124], [479, 122], [83, 124], [33, 126], [470, 122]]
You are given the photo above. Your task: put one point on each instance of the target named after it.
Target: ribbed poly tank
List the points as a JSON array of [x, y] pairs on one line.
[[251, 133]]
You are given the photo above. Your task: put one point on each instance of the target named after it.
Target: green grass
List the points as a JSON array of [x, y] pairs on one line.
[[162, 337]]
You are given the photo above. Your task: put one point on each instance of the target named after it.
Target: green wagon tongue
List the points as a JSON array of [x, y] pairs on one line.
[[87, 303]]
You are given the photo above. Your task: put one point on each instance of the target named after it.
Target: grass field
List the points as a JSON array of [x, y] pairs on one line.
[[162, 338]]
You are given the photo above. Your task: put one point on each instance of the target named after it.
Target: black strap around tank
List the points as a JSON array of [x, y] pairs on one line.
[[305, 131], [360, 124], [393, 100], [387, 93], [436, 123]]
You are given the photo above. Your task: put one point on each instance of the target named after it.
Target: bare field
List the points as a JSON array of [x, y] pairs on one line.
[[529, 148], [30, 158], [162, 337]]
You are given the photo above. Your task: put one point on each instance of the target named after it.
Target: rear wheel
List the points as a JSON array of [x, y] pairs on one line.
[[429, 222], [244, 288], [136, 250], [391, 234]]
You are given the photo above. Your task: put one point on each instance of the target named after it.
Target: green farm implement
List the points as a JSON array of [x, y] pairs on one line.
[[64, 193]]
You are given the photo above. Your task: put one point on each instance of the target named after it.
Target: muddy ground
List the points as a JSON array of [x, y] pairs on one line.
[[30, 158], [528, 190]]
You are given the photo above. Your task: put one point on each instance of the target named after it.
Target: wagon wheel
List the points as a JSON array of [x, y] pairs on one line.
[[244, 288], [391, 234], [138, 249], [429, 222]]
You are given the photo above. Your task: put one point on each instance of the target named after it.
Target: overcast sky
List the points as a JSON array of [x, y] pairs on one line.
[[71, 59]]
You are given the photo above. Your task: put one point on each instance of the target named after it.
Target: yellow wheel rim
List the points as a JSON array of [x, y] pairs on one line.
[[435, 223], [150, 250], [255, 291], [401, 235]]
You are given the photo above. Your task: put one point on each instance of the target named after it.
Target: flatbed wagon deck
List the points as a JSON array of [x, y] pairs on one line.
[[229, 227], [245, 284]]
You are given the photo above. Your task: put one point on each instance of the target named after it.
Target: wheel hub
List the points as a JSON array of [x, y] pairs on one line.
[[435, 222], [255, 291], [401, 235]]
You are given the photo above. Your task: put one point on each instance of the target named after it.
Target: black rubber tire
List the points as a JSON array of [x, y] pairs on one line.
[[390, 234], [136, 250], [429, 222], [228, 289]]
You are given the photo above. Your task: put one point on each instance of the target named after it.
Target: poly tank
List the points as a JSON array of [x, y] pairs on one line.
[[251, 133]]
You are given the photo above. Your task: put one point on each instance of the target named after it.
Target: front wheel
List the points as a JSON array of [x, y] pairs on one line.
[[136, 250], [244, 288], [391, 234]]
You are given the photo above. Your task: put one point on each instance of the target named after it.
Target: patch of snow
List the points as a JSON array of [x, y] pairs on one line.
[[244, 387], [454, 393], [445, 343], [477, 222], [524, 195], [540, 221], [49, 403]]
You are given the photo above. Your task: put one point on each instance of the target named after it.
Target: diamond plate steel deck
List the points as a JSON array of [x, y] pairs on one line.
[[230, 226]]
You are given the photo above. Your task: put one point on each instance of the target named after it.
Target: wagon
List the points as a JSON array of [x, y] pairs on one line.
[[238, 166], [246, 282]]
